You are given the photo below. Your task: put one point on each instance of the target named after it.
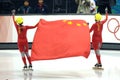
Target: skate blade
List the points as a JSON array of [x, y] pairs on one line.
[[98, 68], [25, 69], [30, 69]]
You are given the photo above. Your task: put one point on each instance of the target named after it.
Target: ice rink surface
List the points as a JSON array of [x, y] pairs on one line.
[[73, 68]]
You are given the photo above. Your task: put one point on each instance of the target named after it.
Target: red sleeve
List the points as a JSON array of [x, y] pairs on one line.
[[91, 29], [105, 19], [14, 22], [30, 27]]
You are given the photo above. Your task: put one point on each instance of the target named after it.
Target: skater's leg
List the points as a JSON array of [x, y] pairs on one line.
[[98, 56], [24, 59], [97, 47], [27, 55], [21, 49], [29, 59]]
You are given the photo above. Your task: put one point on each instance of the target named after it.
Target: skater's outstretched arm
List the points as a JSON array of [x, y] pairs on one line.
[[14, 21], [105, 18], [30, 27], [92, 28]]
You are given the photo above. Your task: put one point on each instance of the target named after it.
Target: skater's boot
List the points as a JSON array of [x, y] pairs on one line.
[[98, 65], [25, 67], [30, 67]]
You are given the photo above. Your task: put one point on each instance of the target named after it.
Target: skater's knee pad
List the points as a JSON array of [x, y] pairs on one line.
[[99, 45], [22, 54], [27, 54], [97, 52]]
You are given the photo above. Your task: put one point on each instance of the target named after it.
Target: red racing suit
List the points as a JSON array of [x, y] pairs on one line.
[[22, 39], [97, 33]]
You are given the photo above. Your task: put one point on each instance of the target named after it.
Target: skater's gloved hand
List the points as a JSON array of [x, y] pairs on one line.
[[106, 10]]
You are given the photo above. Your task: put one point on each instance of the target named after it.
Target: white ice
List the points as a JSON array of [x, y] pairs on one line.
[[73, 68]]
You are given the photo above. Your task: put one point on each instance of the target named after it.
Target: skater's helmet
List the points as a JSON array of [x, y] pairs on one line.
[[98, 16], [19, 20]]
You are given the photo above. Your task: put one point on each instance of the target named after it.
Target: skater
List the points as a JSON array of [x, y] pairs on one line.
[[22, 40], [97, 28]]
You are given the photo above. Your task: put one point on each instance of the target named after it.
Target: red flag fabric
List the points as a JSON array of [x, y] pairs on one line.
[[60, 39]]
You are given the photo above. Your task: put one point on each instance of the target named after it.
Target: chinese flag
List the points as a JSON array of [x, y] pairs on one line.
[[61, 39]]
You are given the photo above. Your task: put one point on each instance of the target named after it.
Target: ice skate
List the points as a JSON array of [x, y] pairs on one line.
[[25, 68], [30, 67], [98, 67]]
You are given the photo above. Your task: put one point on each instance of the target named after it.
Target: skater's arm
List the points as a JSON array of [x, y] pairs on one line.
[[30, 27], [14, 21], [91, 29], [105, 18]]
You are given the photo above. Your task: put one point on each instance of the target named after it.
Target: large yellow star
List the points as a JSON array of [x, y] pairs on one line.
[[84, 24], [78, 24], [69, 22]]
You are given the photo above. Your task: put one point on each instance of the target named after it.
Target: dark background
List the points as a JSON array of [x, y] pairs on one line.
[[67, 6]]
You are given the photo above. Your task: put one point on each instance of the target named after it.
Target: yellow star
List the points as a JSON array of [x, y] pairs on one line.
[[70, 22], [84, 24], [78, 24], [64, 20]]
